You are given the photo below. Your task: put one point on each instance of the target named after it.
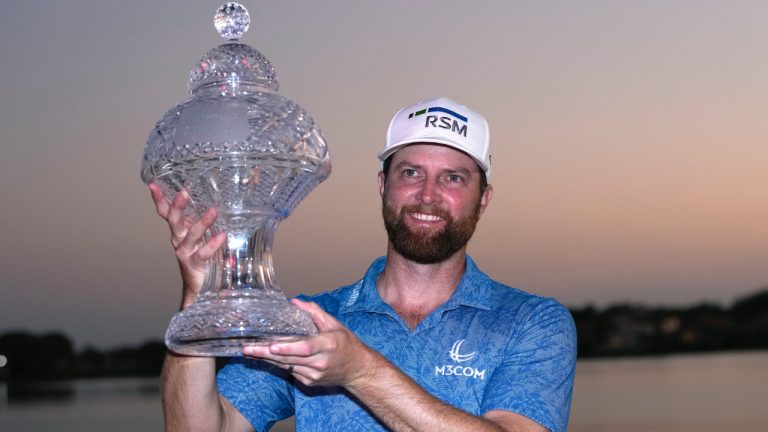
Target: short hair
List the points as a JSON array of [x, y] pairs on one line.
[[483, 178]]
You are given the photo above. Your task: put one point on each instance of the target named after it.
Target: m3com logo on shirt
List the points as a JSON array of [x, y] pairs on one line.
[[459, 370], [456, 355]]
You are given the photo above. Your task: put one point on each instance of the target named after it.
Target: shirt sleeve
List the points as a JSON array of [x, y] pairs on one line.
[[535, 377], [261, 392]]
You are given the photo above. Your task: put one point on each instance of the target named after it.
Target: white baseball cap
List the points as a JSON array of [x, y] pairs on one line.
[[440, 121]]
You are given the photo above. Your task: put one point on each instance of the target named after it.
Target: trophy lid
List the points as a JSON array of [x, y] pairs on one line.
[[236, 143], [233, 66]]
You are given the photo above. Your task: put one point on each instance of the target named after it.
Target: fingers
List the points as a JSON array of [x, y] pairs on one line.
[[306, 369], [286, 352], [191, 252], [190, 237], [173, 213], [263, 352], [322, 319], [209, 249], [176, 217], [161, 205], [329, 358], [302, 373], [186, 234]]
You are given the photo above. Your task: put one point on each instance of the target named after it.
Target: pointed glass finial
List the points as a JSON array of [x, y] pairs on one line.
[[232, 20]]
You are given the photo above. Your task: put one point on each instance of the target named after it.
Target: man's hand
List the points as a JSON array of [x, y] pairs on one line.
[[334, 357], [187, 240]]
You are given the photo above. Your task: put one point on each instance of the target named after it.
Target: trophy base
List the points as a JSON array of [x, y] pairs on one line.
[[222, 325]]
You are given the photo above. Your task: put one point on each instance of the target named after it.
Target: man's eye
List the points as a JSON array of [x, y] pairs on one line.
[[409, 172], [453, 178]]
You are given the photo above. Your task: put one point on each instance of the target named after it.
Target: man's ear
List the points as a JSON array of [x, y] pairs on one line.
[[382, 181], [485, 199]]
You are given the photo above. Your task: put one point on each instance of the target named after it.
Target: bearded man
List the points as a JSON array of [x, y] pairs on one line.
[[423, 342]]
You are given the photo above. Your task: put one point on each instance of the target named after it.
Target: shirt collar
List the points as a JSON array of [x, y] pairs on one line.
[[473, 290]]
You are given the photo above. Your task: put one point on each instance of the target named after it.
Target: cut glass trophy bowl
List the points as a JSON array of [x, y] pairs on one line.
[[238, 146]]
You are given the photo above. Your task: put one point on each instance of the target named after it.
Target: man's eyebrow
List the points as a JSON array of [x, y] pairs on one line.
[[457, 170], [460, 170], [408, 164]]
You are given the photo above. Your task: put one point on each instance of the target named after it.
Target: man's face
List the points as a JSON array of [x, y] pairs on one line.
[[431, 201]]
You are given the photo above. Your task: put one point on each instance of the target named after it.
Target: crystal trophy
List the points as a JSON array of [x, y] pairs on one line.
[[238, 146]]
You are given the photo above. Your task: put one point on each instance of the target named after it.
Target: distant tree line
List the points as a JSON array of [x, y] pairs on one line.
[[617, 330], [626, 329], [34, 357]]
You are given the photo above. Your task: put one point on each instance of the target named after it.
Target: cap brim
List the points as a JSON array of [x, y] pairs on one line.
[[429, 140]]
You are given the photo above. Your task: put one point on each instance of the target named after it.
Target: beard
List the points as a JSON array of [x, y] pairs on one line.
[[422, 246]]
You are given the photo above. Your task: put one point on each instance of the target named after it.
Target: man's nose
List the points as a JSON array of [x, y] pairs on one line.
[[429, 192]]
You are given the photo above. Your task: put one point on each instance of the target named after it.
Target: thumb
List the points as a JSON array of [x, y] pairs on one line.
[[322, 319]]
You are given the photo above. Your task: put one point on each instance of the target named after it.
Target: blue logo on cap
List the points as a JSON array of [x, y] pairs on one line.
[[438, 109]]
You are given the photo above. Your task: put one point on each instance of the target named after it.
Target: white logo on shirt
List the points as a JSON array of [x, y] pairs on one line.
[[455, 352], [457, 370]]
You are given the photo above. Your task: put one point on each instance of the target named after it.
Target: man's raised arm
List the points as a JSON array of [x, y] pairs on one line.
[[191, 401]]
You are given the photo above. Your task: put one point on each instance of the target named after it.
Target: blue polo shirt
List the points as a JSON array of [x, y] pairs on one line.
[[489, 347]]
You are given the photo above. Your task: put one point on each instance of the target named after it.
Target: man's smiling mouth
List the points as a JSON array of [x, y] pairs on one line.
[[424, 217]]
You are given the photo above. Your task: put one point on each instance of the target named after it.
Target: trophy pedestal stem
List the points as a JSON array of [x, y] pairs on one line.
[[240, 303]]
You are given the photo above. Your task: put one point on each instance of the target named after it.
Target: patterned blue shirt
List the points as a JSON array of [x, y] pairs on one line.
[[489, 347]]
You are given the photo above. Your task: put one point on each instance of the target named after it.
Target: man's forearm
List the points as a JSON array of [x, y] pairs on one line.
[[190, 399], [402, 405]]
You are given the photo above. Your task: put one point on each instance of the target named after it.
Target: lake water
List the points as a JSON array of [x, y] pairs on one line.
[[684, 393]]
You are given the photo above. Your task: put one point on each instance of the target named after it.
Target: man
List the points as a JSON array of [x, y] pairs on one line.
[[424, 341]]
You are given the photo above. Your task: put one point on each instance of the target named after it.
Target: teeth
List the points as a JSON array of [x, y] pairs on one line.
[[426, 217]]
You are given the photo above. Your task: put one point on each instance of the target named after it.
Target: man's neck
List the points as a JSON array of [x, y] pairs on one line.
[[414, 290]]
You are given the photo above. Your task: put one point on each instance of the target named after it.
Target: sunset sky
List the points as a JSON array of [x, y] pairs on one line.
[[630, 159]]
